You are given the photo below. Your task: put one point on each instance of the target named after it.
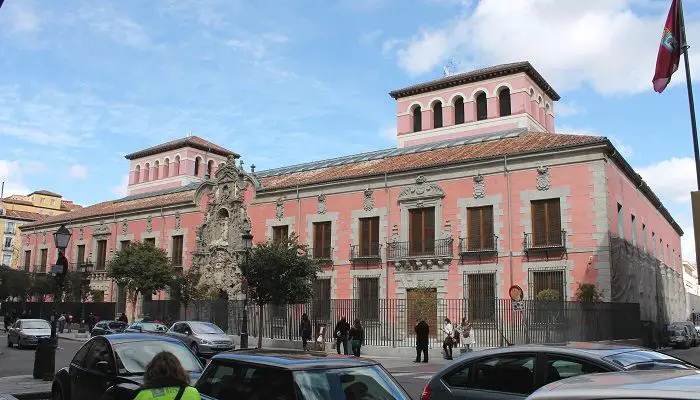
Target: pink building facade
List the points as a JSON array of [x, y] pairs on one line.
[[479, 195]]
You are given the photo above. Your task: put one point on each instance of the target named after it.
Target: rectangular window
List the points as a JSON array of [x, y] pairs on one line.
[[101, 255], [27, 260], [81, 254], [620, 222], [8, 243], [322, 299], [480, 228], [280, 233], [9, 228], [634, 230], [322, 240], [151, 241], [653, 244], [6, 259], [546, 223], [481, 296], [548, 280], [644, 237], [368, 297], [177, 251], [124, 244], [369, 237], [421, 231], [44, 260]]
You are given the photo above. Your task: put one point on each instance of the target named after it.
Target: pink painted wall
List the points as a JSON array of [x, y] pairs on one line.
[[488, 129]]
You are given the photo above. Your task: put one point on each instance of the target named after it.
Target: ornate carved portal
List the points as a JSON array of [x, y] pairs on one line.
[[219, 246]]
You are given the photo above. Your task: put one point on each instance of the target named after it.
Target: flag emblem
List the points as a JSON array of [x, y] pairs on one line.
[[668, 41]]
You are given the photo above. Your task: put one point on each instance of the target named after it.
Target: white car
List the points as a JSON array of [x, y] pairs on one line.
[[27, 332]]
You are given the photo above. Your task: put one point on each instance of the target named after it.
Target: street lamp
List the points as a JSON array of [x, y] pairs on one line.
[[45, 356], [247, 245]]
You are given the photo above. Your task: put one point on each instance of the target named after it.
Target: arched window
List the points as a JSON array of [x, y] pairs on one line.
[[197, 161], [504, 102], [177, 166], [210, 167], [137, 174], [166, 170], [156, 170], [437, 114], [417, 119], [459, 110], [146, 172], [481, 107]]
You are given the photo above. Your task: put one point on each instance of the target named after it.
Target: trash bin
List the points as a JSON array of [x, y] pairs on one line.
[[44, 359]]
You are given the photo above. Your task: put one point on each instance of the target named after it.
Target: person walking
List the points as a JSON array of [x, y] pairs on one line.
[[467, 334], [305, 330], [61, 323], [422, 337], [90, 322], [165, 379], [69, 321], [342, 329], [357, 337], [447, 343]]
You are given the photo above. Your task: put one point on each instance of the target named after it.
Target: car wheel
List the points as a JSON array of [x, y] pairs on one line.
[[56, 392], [9, 342], [195, 349], [19, 343]]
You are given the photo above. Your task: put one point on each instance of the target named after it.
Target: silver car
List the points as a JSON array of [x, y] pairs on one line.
[[648, 385], [204, 338], [26, 332]]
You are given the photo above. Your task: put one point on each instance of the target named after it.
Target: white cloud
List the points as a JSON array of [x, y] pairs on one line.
[[672, 180], [388, 133], [77, 171], [567, 109], [11, 175], [570, 42], [120, 190]]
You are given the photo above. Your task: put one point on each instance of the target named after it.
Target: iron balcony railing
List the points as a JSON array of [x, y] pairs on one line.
[[487, 244], [544, 241], [322, 254], [433, 248], [371, 251]]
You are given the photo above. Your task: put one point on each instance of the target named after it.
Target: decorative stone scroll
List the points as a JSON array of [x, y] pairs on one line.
[[543, 179], [43, 239], [102, 229], [149, 224], [279, 210], [81, 234], [421, 190], [368, 203], [322, 207], [178, 220], [125, 227], [479, 187]]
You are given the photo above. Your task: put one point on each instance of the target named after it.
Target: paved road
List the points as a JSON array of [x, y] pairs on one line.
[[14, 361]]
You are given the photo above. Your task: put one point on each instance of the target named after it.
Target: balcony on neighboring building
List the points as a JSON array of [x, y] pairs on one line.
[[323, 255], [419, 255], [546, 243], [486, 246], [368, 253]]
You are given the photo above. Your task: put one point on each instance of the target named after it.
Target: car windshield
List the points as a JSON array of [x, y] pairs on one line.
[[205, 328], [367, 383], [153, 327], [647, 359], [132, 357], [116, 325], [35, 325]]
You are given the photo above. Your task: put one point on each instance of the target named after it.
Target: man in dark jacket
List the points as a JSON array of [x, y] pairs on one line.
[[422, 333], [342, 330]]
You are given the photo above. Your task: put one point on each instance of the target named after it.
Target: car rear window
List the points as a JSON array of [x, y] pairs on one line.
[[647, 359], [117, 325], [224, 381], [370, 382], [133, 357]]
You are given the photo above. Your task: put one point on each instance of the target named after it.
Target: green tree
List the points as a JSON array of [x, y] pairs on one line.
[[279, 272], [589, 293], [75, 287], [184, 288], [142, 269], [14, 283], [548, 295]]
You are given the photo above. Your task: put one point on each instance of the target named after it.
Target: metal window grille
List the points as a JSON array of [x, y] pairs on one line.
[[547, 279], [480, 295], [367, 298]]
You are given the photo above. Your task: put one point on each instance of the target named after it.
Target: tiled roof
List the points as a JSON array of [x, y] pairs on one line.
[[189, 141], [431, 155], [25, 215], [69, 205], [17, 201], [151, 200], [45, 193], [478, 75]]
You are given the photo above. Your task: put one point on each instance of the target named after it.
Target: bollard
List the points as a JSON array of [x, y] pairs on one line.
[[44, 359]]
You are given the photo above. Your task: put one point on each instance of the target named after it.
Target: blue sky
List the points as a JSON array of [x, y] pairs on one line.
[[84, 82]]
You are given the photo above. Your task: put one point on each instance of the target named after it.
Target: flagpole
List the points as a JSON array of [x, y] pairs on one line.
[[691, 101]]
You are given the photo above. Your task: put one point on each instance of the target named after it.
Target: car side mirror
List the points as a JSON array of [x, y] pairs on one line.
[[102, 366]]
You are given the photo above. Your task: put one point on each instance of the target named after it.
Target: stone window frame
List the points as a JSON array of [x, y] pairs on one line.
[[492, 268], [273, 222], [369, 273], [178, 232], [95, 239], [151, 235], [526, 199], [331, 275], [566, 266], [437, 279], [411, 204], [333, 218], [380, 212], [494, 201]]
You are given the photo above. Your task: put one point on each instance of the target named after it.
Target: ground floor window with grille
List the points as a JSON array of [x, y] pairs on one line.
[[481, 296], [367, 295], [321, 303], [548, 285]]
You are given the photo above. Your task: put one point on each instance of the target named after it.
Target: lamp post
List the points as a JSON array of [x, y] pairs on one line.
[[45, 356], [247, 245]]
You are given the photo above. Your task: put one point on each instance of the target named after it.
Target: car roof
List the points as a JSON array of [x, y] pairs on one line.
[[33, 319], [294, 359], [137, 337], [587, 348], [647, 384]]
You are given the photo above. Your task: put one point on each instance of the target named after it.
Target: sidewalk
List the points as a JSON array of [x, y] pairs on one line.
[[25, 386], [74, 336]]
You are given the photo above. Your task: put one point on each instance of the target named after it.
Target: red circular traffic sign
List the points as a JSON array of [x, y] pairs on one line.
[[516, 293]]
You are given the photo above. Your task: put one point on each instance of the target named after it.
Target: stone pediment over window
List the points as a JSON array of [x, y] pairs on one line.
[[421, 190], [102, 229]]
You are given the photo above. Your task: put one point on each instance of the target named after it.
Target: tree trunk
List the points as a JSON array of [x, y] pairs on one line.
[[260, 326], [135, 298]]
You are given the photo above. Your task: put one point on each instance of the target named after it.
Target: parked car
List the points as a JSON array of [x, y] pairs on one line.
[[146, 327], [694, 335], [108, 328], [114, 365], [669, 384], [517, 371], [293, 375], [679, 336], [27, 332], [204, 338]]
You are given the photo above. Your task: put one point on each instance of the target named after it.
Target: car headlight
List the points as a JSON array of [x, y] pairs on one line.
[[204, 341]]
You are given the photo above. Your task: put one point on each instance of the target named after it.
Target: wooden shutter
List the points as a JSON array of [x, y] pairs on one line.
[[553, 222], [429, 230], [369, 236], [474, 228], [487, 228], [81, 254], [177, 251], [280, 233], [539, 223], [318, 240], [415, 231], [44, 258], [27, 259], [101, 254]]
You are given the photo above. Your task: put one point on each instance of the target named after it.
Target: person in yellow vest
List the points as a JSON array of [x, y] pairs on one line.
[[165, 379]]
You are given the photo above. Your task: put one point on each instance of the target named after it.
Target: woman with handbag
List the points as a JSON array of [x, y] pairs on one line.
[[467, 334], [447, 343], [357, 337]]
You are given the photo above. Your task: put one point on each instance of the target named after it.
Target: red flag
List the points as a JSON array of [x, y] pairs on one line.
[[670, 48], [1, 2]]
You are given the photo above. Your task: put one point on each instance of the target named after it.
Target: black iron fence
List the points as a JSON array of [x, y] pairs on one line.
[[437, 248], [391, 322], [43, 310]]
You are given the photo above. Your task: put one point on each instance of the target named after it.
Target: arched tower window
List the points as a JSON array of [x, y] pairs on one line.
[[481, 107], [156, 170], [146, 172], [166, 164], [459, 110], [210, 167], [504, 102], [197, 162], [417, 119], [137, 174], [437, 114], [177, 166]]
